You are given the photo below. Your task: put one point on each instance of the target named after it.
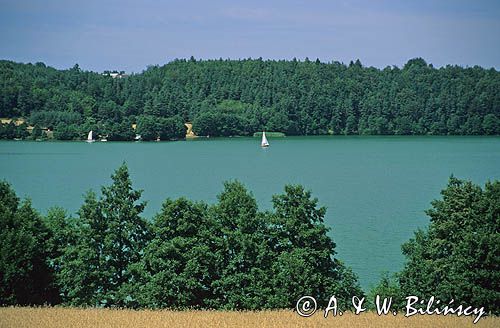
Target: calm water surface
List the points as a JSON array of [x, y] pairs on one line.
[[375, 188]]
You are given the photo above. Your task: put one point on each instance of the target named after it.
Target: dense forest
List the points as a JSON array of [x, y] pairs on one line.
[[240, 97], [230, 255]]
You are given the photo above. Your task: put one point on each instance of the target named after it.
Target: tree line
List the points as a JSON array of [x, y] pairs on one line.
[[240, 97], [230, 255], [458, 256]]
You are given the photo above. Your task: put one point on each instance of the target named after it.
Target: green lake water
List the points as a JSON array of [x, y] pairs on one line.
[[375, 188]]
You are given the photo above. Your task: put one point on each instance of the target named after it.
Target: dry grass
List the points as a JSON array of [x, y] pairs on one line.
[[67, 317]]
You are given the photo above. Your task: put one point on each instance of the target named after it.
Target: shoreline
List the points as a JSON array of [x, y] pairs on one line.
[[200, 138]]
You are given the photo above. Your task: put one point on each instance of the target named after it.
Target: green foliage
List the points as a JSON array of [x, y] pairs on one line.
[[225, 256], [219, 124], [229, 118], [151, 128], [230, 255], [26, 277], [244, 257], [37, 133], [147, 127], [125, 235], [122, 131], [82, 277], [179, 264], [491, 124], [171, 128], [270, 134], [65, 132], [97, 267], [387, 287], [53, 118], [240, 97], [306, 253], [13, 131], [458, 256]]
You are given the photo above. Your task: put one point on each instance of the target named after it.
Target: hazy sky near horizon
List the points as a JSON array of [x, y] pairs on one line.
[[130, 35]]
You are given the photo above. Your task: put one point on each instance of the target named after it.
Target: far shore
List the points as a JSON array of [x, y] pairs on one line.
[[201, 138]]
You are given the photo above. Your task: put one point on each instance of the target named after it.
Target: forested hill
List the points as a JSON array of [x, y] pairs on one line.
[[239, 97]]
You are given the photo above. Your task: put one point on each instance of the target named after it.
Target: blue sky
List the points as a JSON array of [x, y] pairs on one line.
[[129, 35]]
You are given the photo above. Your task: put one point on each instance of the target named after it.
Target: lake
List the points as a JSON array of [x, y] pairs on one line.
[[375, 188]]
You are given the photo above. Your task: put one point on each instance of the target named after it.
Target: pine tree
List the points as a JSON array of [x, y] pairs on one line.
[[98, 268]]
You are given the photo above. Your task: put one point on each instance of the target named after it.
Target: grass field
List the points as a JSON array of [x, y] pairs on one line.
[[67, 317]]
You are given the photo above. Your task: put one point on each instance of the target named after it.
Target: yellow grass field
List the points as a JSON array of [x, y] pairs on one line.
[[68, 317]]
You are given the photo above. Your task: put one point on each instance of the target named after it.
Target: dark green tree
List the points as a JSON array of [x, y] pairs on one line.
[[387, 287], [26, 277], [171, 128], [147, 127], [8, 131], [97, 269], [458, 256], [83, 277], [243, 254], [120, 131], [126, 234], [305, 263], [491, 124], [36, 133], [66, 132], [179, 264]]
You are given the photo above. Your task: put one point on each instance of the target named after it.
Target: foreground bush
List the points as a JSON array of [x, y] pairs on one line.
[[458, 256], [228, 255]]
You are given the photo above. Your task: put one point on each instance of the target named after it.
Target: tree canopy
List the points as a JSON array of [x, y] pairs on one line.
[[458, 256], [26, 277], [227, 255], [240, 97]]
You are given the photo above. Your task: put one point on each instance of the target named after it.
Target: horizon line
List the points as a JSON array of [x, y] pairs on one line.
[[299, 60]]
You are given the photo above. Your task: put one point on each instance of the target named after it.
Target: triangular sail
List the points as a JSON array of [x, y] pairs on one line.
[[89, 137], [264, 142]]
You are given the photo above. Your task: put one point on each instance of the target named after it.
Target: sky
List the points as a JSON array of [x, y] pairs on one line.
[[131, 35]]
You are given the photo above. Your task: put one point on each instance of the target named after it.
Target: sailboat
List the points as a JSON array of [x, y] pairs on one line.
[[264, 143], [89, 137]]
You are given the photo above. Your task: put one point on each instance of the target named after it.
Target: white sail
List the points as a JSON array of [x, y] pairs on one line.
[[89, 137], [264, 142]]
